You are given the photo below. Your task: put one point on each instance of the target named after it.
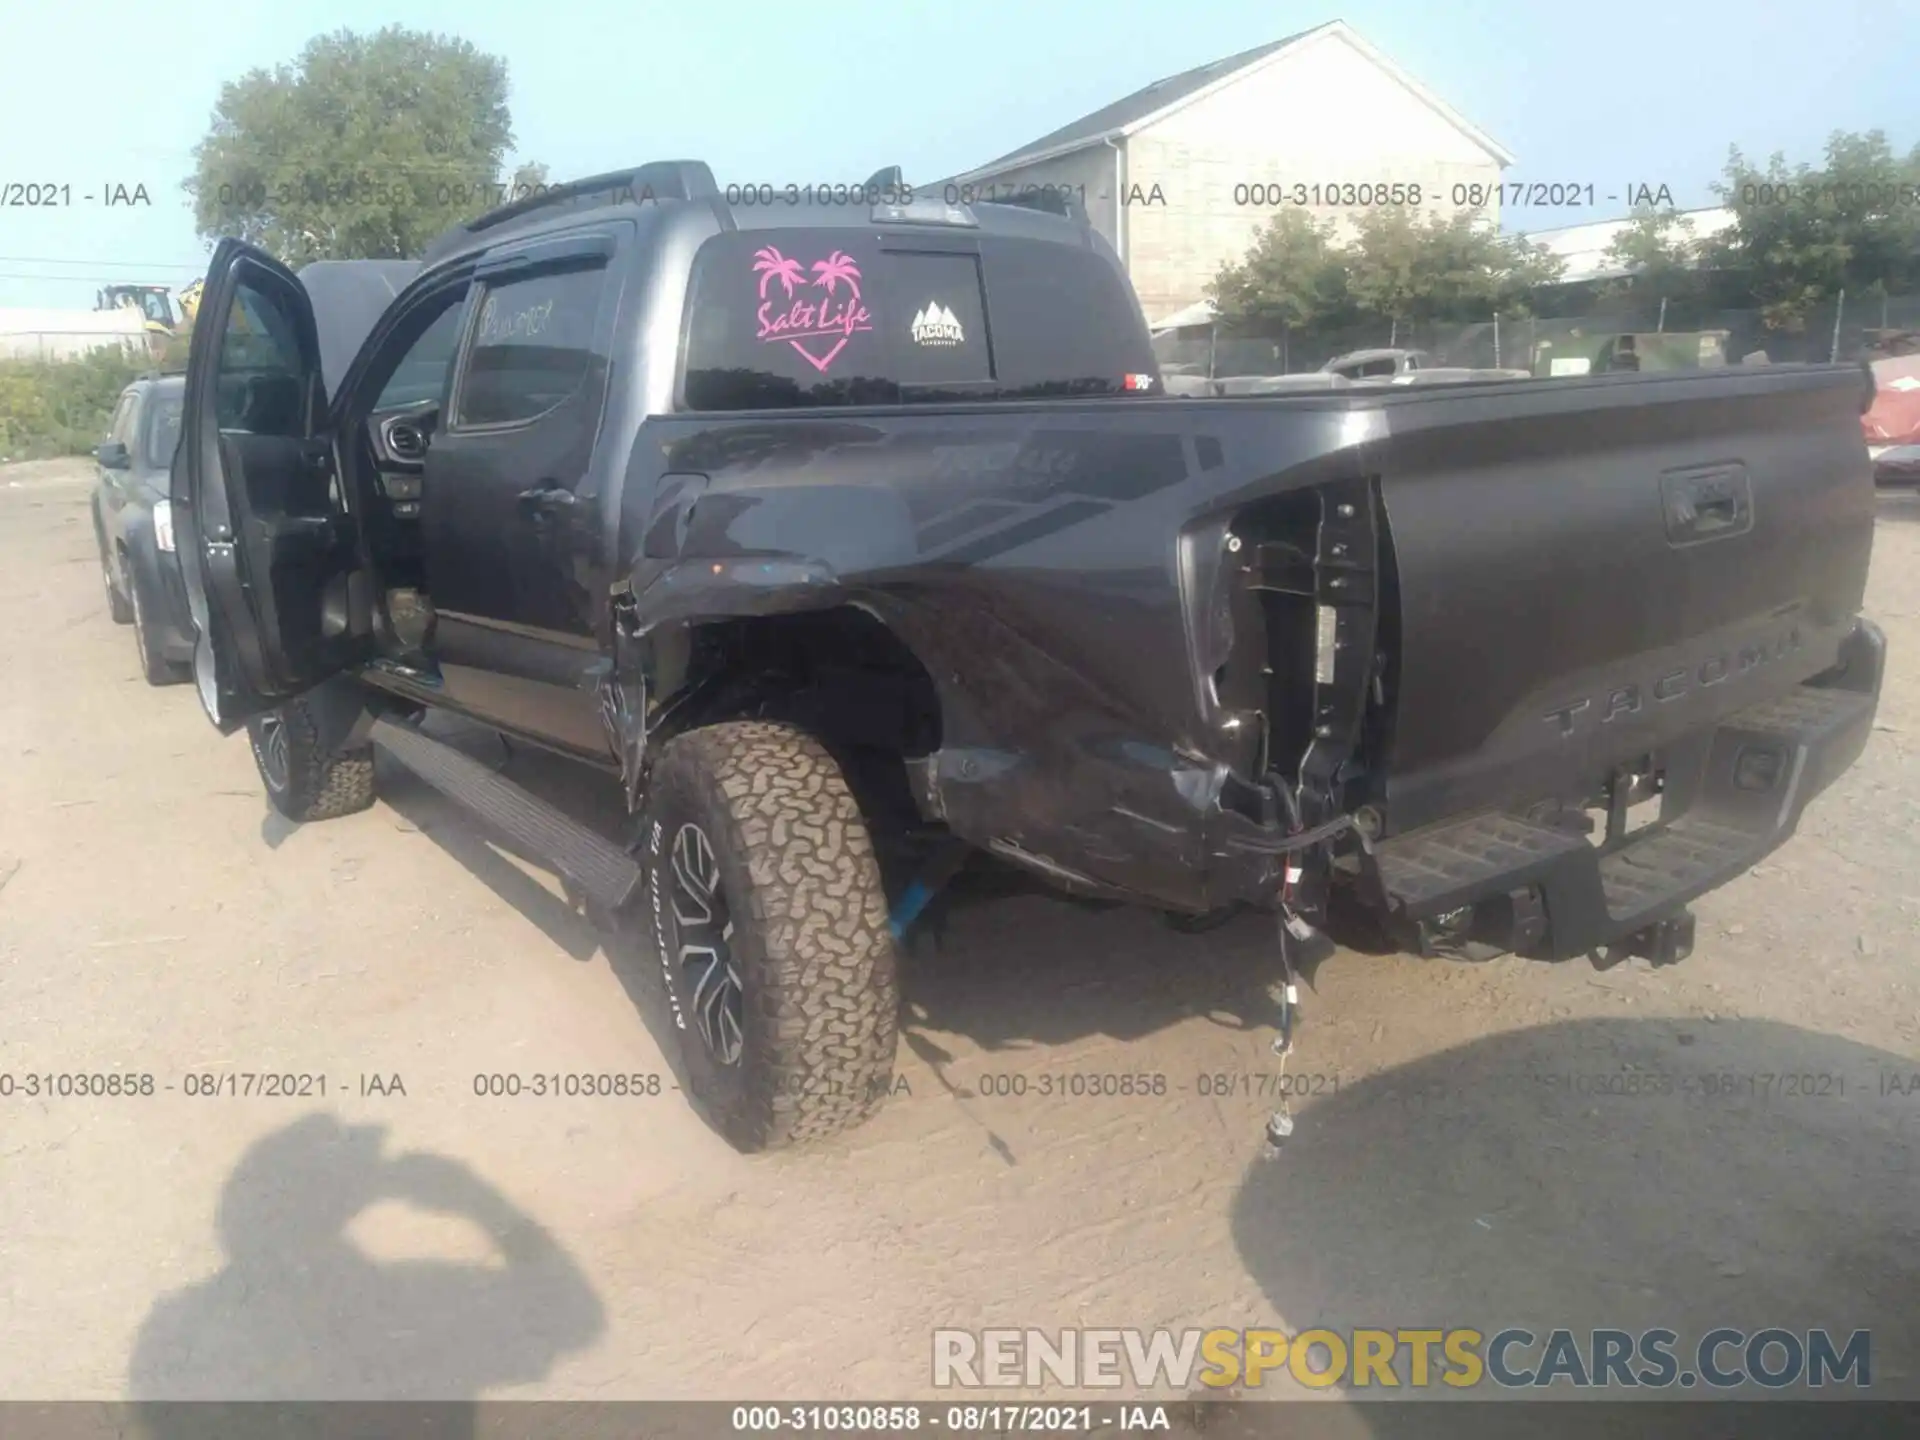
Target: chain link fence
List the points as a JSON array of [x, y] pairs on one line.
[[1558, 346]]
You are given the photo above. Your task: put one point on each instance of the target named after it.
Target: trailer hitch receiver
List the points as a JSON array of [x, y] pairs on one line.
[[1665, 942]]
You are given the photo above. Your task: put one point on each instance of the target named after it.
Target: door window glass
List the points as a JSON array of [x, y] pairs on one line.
[[262, 383], [532, 346], [421, 374]]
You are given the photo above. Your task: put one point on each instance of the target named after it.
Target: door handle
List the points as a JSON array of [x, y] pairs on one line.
[[1708, 502]]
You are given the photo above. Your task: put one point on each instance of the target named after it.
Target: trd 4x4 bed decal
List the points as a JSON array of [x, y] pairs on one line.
[[818, 325]]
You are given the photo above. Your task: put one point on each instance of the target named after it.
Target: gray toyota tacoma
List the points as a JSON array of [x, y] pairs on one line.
[[835, 532]]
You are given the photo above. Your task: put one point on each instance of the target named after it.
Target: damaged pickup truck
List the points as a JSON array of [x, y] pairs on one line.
[[820, 529]]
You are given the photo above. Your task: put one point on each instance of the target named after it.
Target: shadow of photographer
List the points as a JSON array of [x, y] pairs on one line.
[[301, 1312], [1607, 1173]]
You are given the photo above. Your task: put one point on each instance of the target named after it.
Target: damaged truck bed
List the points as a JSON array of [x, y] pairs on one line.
[[1460, 619], [826, 529]]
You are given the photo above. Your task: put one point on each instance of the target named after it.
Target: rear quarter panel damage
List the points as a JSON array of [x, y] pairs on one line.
[[1031, 560]]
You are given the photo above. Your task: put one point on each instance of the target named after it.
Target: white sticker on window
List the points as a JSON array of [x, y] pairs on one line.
[[937, 325]]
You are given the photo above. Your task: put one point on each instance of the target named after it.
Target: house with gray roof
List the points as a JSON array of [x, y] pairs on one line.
[[1181, 175]]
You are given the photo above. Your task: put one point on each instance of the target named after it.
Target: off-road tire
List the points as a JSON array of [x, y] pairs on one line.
[[316, 785], [154, 664], [810, 939]]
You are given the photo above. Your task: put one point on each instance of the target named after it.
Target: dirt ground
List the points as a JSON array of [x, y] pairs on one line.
[[155, 919]]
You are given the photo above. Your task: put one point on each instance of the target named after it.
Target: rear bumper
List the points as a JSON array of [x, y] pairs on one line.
[[1897, 467], [1733, 794]]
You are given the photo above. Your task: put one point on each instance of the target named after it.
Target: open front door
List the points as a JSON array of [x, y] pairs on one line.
[[266, 541]]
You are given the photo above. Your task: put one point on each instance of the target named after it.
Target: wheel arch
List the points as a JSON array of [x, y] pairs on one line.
[[835, 668], [838, 671]]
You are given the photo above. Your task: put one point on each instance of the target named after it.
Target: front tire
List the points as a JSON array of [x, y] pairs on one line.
[[305, 783], [771, 920]]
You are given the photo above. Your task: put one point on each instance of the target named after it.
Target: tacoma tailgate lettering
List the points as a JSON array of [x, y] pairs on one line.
[[1713, 670]]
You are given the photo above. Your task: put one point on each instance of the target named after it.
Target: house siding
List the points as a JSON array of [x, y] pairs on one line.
[[1087, 173], [1325, 113]]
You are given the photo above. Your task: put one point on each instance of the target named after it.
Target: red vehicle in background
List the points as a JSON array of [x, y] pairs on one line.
[[1891, 426]]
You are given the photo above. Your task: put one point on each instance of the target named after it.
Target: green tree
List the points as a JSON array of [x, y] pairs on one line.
[[1442, 267], [1292, 278], [367, 146], [1661, 255], [1658, 248], [1802, 234]]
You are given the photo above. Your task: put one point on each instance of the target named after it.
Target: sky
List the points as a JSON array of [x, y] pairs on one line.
[[105, 93]]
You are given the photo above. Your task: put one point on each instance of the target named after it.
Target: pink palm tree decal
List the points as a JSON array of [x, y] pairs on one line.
[[837, 267], [770, 264]]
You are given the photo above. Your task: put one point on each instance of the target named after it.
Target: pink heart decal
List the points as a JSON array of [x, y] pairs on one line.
[[817, 314], [819, 362]]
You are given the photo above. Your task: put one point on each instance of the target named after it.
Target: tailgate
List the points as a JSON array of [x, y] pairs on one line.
[[1588, 570]]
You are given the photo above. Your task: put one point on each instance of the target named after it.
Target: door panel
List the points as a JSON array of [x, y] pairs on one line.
[[266, 547], [510, 534]]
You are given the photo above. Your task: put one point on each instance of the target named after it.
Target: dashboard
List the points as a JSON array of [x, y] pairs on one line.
[[400, 439]]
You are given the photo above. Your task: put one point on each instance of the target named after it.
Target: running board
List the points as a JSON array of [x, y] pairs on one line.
[[604, 872]]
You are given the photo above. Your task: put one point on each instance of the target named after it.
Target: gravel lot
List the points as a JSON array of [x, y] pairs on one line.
[[155, 919]]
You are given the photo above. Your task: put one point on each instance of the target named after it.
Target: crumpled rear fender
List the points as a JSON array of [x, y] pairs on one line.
[[1031, 564]]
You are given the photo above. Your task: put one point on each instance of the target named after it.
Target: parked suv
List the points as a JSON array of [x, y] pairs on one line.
[[133, 526], [835, 532]]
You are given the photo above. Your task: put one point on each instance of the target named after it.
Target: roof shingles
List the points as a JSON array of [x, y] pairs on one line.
[[1142, 103]]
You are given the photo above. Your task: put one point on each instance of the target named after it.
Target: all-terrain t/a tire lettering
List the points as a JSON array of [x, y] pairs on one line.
[[305, 783], [806, 933]]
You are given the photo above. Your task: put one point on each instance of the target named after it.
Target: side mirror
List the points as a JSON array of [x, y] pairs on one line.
[[113, 455]]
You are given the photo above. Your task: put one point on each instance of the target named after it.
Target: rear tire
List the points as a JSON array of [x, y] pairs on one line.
[[303, 782], [153, 660], [771, 920], [119, 608]]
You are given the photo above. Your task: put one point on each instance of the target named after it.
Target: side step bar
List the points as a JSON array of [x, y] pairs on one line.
[[604, 872]]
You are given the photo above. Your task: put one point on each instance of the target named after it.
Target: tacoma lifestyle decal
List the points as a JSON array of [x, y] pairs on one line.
[[818, 321], [937, 325]]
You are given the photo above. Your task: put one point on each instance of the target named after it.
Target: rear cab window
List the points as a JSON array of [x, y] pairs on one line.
[[780, 318]]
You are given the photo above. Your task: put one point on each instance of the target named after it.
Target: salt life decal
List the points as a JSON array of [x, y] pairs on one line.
[[817, 319], [937, 325]]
